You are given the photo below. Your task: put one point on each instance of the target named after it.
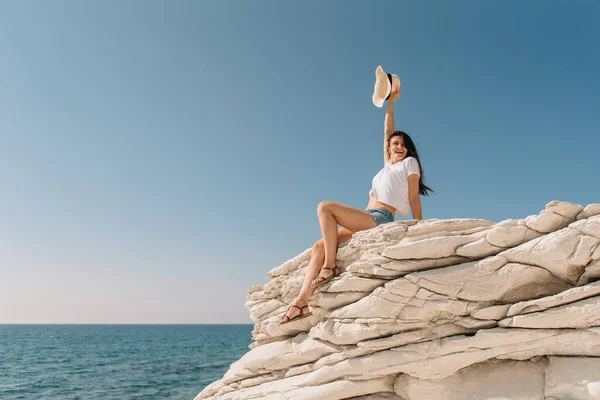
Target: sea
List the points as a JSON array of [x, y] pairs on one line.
[[94, 362]]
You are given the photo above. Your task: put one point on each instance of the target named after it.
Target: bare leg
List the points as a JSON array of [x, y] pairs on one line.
[[324, 251], [316, 262], [317, 257], [330, 215]]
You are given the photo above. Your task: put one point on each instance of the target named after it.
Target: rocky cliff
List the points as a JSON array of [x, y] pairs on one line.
[[436, 309]]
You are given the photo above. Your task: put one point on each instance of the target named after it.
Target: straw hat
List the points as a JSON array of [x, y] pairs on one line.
[[384, 85]]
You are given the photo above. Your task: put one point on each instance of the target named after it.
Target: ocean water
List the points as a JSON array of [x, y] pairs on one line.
[[116, 361]]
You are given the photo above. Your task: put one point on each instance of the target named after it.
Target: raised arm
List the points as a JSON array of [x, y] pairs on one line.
[[388, 126]]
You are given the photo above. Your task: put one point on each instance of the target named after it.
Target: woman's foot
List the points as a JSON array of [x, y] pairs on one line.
[[297, 310], [326, 274]]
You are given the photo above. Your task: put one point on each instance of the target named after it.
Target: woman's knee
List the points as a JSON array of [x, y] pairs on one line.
[[319, 245], [325, 206]]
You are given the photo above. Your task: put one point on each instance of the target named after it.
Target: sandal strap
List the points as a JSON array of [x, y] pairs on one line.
[[298, 307], [296, 316], [334, 269], [320, 279]]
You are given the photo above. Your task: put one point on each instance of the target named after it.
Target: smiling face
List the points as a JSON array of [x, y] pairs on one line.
[[397, 150]]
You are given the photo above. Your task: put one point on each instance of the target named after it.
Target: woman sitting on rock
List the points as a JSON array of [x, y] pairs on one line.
[[396, 189]]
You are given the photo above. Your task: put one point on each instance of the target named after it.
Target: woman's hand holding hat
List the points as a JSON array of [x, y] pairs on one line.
[[395, 95]]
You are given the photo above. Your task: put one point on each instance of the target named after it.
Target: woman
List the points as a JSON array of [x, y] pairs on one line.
[[396, 189]]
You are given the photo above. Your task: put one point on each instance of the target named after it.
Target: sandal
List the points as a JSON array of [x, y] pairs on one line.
[[322, 280], [297, 317]]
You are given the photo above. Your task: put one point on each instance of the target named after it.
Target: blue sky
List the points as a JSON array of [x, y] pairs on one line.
[[157, 158]]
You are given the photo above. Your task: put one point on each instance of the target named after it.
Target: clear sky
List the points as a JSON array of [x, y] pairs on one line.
[[158, 158]]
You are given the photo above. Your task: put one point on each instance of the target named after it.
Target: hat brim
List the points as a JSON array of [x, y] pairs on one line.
[[378, 101], [382, 87]]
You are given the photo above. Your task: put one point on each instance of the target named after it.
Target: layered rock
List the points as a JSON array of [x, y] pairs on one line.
[[436, 309]]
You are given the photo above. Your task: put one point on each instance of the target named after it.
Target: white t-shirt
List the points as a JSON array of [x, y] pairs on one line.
[[390, 185]]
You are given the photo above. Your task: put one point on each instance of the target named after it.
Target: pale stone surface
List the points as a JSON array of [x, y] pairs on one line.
[[435, 226], [565, 208], [414, 336], [546, 221], [510, 233], [568, 296], [279, 355], [348, 333], [291, 264], [398, 268], [574, 378], [384, 302], [596, 254], [436, 306], [559, 252], [435, 247], [590, 226], [591, 273], [489, 280], [589, 211], [584, 251], [369, 270], [514, 380], [332, 301], [378, 396], [478, 249], [341, 389], [494, 312], [581, 314], [350, 283], [441, 358]]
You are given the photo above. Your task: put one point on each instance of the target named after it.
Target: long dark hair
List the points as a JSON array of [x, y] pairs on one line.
[[412, 152]]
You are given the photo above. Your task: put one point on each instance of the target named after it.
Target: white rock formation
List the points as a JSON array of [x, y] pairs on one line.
[[436, 309]]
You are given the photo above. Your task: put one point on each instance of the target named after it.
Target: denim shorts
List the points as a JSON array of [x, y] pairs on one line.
[[381, 215]]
